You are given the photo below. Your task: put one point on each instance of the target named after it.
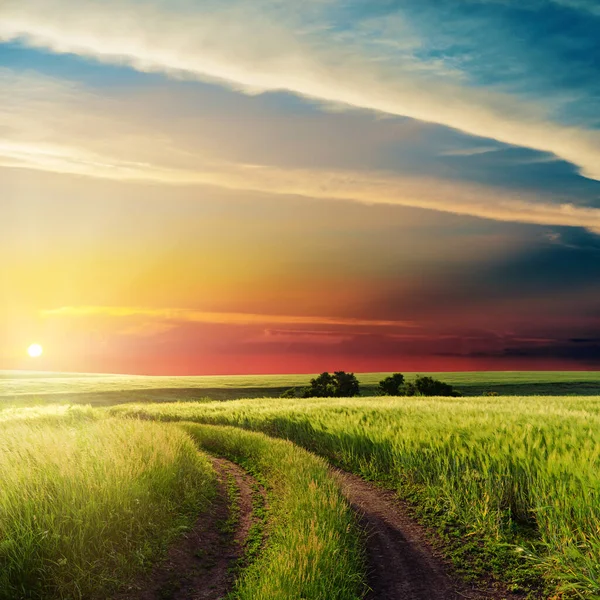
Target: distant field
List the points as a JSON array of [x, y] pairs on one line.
[[109, 389]]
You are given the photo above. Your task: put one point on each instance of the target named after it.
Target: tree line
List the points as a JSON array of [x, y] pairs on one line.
[[345, 385]]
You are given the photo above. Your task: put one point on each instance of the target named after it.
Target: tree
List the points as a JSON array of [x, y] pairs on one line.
[[393, 385], [326, 385], [346, 384], [427, 386], [322, 386]]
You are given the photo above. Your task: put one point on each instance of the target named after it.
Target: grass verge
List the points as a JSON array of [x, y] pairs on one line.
[[87, 503], [313, 549]]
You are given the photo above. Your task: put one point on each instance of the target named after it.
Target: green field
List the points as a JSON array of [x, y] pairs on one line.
[[108, 389], [509, 485], [89, 502], [518, 474]]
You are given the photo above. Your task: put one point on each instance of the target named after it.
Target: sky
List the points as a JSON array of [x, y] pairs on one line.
[[268, 186]]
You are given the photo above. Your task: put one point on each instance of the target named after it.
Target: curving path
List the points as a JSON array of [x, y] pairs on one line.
[[198, 567], [402, 564]]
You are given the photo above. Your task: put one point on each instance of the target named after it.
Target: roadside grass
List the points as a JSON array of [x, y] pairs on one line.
[[88, 502], [313, 548], [513, 481], [229, 525], [257, 532]]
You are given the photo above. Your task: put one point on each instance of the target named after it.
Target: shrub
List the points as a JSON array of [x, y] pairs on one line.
[[427, 386], [392, 385], [326, 385], [347, 384]]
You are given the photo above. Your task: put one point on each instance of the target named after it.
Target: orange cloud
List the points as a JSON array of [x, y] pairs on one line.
[[179, 315]]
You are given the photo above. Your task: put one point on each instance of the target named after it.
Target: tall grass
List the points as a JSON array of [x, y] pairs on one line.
[[501, 469], [313, 548], [85, 503]]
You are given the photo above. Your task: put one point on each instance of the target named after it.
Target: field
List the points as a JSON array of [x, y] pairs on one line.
[[85, 501], [23, 387], [504, 487]]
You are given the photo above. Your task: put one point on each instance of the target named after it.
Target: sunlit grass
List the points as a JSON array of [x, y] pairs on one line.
[[521, 471], [86, 503], [313, 549], [48, 413]]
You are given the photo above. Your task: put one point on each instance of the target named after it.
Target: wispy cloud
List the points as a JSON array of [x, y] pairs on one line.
[[471, 151], [256, 47], [424, 193], [590, 6], [180, 315]]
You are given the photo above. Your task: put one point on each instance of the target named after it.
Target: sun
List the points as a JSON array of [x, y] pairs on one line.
[[35, 350]]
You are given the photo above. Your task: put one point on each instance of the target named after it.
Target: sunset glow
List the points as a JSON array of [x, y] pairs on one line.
[[254, 187]]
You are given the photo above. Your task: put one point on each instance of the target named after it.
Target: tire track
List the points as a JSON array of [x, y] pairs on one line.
[[402, 564], [199, 565]]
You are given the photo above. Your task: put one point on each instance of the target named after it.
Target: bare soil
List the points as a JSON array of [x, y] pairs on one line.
[[402, 563], [199, 566]]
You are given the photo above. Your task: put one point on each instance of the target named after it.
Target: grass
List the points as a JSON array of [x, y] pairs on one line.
[[23, 388], [87, 502], [313, 547], [511, 482], [230, 525], [257, 531], [518, 478]]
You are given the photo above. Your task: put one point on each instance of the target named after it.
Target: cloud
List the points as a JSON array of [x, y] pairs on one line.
[[590, 6], [294, 336], [471, 151], [261, 46], [446, 196], [179, 315], [581, 351], [46, 126]]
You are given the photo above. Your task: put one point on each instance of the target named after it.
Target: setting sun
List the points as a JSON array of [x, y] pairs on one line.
[[35, 350]]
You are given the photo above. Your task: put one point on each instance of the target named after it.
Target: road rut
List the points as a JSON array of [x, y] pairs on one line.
[[402, 564], [198, 566]]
